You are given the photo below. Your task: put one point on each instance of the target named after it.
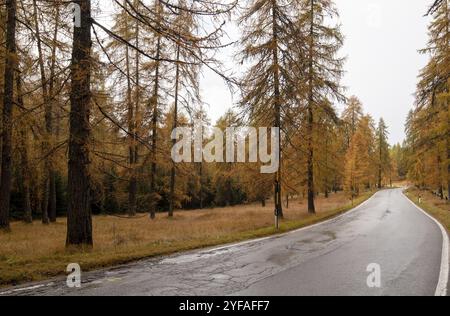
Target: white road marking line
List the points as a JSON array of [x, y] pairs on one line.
[[30, 288], [441, 289]]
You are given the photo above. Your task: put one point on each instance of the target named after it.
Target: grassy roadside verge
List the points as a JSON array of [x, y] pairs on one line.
[[36, 252], [432, 204]]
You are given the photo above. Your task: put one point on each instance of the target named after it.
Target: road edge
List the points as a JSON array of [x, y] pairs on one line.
[[246, 242], [441, 289]]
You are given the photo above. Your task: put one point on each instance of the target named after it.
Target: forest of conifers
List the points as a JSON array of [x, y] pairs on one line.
[[88, 109]]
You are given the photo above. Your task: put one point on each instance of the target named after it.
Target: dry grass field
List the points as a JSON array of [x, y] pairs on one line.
[[439, 209], [35, 252]]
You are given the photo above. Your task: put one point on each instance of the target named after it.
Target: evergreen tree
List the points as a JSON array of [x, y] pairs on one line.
[[323, 71], [359, 160], [382, 149], [270, 41]]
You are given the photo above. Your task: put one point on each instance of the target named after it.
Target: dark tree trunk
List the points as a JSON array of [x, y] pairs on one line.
[[154, 132], [50, 118], [380, 185], [277, 105], [134, 148], [52, 197], [175, 125], [79, 218], [380, 168], [46, 146], [24, 164], [229, 190], [441, 186], [447, 142], [201, 185], [8, 102], [448, 170], [132, 185], [35, 196], [326, 168], [154, 103], [310, 167], [45, 197]]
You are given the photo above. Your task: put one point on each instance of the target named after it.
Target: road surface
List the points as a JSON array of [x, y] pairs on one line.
[[327, 259]]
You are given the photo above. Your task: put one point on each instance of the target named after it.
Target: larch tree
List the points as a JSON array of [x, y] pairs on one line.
[[329, 158], [155, 108], [49, 200], [324, 69], [429, 125], [126, 66], [351, 116], [43, 25], [383, 152], [359, 160], [187, 90], [174, 40], [270, 34], [79, 218]]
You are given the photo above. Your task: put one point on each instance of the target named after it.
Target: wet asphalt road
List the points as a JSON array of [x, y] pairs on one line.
[[326, 259]]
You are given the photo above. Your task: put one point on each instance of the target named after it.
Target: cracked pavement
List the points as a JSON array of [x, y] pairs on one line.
[[327, 259]]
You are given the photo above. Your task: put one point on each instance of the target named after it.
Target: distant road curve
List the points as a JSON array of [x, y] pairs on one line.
[[332, 258]]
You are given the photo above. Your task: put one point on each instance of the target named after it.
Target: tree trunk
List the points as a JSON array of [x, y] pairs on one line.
[[35, 196], [326, 168], [448, 168], [52, 197], [448, 171], [132, 185], [155, 122], [447, 142], [46, 146], [310, 167], [8, 102], [175, 125], [79, 218], [24, 165], [277, 106], [26, 200], [154, 125], [447, 139], [45, 197], [380, 167], [201, 184], [440, 186], [49, 117], [136, 121]]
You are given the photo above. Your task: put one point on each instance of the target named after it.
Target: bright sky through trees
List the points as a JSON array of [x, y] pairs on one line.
[[382, 38]]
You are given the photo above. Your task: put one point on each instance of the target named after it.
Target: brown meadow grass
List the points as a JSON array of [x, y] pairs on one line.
[[439, 209], [35, 252]]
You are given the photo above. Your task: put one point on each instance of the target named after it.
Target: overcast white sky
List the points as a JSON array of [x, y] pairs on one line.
[[382, 39]]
